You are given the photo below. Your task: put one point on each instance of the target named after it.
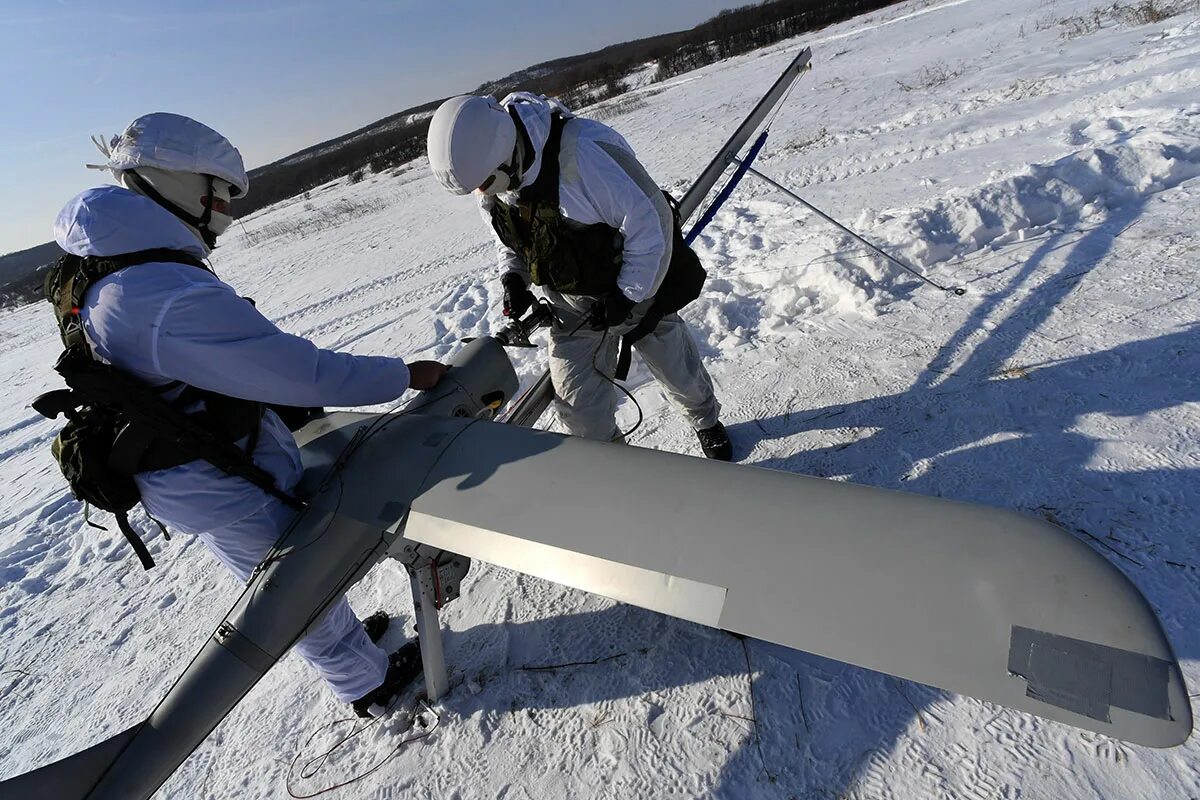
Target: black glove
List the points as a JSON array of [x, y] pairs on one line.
[[610, 310], [517, 297]]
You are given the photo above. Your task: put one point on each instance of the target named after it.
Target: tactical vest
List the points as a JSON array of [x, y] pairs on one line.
[[561, 255], [584, 260], [118, 426]]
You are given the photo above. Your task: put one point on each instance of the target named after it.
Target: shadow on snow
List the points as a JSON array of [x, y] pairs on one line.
[[954, 432]]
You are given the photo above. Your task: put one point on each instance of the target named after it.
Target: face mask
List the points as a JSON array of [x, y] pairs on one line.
[[220, 220], [496, 183], [505, 177]]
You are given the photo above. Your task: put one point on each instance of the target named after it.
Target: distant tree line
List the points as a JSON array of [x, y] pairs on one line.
[[589, 78], [740, 30], [22, 273], [21, 292], [375, 150]]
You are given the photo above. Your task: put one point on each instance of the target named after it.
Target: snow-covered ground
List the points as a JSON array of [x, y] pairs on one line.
[[1052, 177]]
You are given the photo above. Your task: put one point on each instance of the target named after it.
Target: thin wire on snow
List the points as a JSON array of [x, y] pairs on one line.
[[314, 766]]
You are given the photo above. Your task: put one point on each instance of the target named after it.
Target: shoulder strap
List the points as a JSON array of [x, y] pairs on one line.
[[67, 283], [545, 187], [135, 541], [522, 131], [94, 268]]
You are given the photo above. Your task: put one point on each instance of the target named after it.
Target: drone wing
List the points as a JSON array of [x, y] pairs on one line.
[[977, 600]]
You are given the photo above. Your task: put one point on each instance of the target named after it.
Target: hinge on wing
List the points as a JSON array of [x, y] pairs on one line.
[[439, 572]]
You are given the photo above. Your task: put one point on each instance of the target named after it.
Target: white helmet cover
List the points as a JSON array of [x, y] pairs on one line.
[[179, 144], [469, 137]]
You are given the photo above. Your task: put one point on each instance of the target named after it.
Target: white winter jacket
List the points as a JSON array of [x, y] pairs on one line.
[[600, 180], [166, 321]]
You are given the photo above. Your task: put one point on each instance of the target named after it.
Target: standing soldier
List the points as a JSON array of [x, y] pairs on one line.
[[133, 293], [576, 214]]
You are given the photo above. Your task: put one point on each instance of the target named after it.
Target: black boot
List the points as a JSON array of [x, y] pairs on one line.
[[376, 625], [715, 443], [404, 667]]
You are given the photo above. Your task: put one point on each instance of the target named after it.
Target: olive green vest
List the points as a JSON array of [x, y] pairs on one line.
[[561, 255]]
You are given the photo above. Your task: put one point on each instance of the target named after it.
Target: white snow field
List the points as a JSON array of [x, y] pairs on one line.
[[1042, 154]]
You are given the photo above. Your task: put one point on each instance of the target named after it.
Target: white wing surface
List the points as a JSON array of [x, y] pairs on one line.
[[973, 599]]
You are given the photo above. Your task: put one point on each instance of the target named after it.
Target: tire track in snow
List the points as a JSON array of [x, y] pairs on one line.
[[887, 158], [376, 286]]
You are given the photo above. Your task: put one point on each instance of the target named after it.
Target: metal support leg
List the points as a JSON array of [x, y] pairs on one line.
[[436, 576], [429, 634]]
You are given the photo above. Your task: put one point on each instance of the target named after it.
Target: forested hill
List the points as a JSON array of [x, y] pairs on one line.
[[20, 273]]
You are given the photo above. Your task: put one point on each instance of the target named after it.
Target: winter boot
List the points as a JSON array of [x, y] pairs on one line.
[[376, 625], [404, 667], [715, 443]]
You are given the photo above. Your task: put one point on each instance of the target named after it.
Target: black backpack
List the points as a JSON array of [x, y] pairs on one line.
[[682, 284], [82, 451]]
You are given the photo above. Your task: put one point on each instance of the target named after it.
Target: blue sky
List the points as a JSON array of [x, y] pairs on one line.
[[273, 75]]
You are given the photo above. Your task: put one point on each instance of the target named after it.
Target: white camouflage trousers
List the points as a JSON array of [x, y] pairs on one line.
[[586, 402], [337, 647]]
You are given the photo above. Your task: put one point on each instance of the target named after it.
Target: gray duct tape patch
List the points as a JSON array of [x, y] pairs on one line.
[[1086, 678], [243, 649]]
